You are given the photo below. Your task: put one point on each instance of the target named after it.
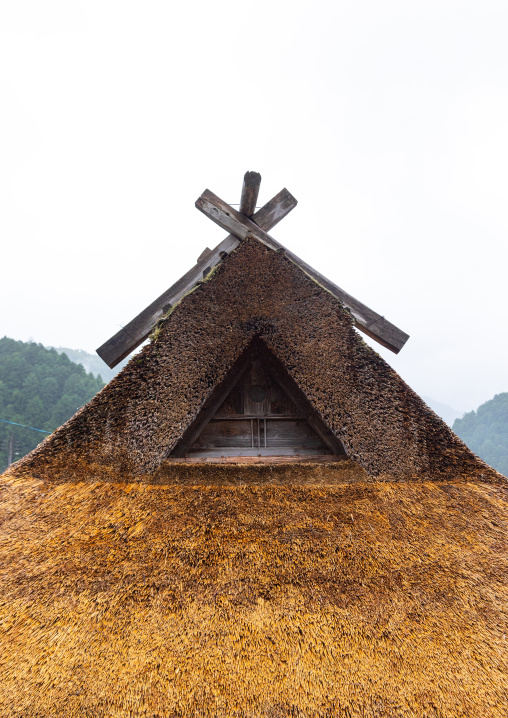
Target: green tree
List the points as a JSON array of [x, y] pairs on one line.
[[485, 431], [39, 388]]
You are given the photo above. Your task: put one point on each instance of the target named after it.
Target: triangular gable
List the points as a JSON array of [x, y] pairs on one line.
[[258, 410], [138, 419]]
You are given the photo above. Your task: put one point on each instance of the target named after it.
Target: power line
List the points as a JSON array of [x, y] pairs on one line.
[[25, 427]]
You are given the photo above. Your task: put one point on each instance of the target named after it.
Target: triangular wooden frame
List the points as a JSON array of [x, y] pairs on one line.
[[257, 348]]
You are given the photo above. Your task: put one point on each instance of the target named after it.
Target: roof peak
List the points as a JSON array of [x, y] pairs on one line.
[[243, 224]]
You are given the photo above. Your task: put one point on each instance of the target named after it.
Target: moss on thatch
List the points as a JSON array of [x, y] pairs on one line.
[[367, 599]]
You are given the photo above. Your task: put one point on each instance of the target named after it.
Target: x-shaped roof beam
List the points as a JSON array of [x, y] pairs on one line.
[[137, 330], [243, 224], [367, 320]]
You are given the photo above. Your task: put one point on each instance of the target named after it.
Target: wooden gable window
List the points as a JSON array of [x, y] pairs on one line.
[[258, 411]]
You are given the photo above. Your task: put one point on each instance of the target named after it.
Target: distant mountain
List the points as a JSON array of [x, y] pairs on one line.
[[448, 413], [485, 431], [92, 362]]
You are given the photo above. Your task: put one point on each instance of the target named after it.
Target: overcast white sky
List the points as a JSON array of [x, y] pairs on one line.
[[387, 120]]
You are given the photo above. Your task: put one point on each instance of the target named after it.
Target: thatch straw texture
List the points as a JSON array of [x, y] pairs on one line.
[[367, 599], [134, 423]]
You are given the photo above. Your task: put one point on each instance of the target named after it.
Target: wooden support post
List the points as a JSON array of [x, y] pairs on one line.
[[250, 191]]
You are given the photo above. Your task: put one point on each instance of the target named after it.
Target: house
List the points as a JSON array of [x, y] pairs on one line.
[[256, 517]]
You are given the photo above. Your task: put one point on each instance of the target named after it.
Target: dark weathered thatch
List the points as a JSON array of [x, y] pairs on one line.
[[367, 587], [368, 599], [134, 423]]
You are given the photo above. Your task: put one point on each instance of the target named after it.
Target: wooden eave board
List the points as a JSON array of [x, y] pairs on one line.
[[278, 459]]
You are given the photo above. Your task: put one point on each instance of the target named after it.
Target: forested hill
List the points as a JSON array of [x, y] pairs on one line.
[[39, 388], [485, 431], [92, 362]]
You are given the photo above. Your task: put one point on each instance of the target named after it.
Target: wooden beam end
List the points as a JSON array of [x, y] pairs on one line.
[[252, 179]]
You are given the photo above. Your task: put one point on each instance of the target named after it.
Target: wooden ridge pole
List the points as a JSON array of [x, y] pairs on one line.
[[250, 191]]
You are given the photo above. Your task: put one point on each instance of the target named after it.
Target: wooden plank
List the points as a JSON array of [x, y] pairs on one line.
[[227, 452], [276, 209], [272, 417], [225, 433], [367, 320], [136, 331], [280, 434], [250, 191], [293, 433], [284, 459]]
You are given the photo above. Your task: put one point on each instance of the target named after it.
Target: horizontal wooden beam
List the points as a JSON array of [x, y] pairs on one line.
[[250, 191], [288, 459], [367, 320], [136, 331]]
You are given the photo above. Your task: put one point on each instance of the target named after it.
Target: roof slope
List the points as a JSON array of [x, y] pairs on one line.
[[364, 600], [135, 422]]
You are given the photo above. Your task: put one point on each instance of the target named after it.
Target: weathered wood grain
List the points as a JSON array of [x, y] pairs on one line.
[[136, 331], [295, 433], [279, 459], [276, 209], [257, 432], [367, 320], [250, 191], [208, 432], [210, 453], [225, 433]]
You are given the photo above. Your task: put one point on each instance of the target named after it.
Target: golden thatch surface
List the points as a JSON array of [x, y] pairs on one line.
[[363, 599]]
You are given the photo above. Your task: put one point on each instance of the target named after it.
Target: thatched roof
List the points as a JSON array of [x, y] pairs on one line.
[[256, 293], [133, 584], [365, 599]]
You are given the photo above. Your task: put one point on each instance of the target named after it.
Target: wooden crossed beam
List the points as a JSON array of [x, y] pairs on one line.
[[242, 224]]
